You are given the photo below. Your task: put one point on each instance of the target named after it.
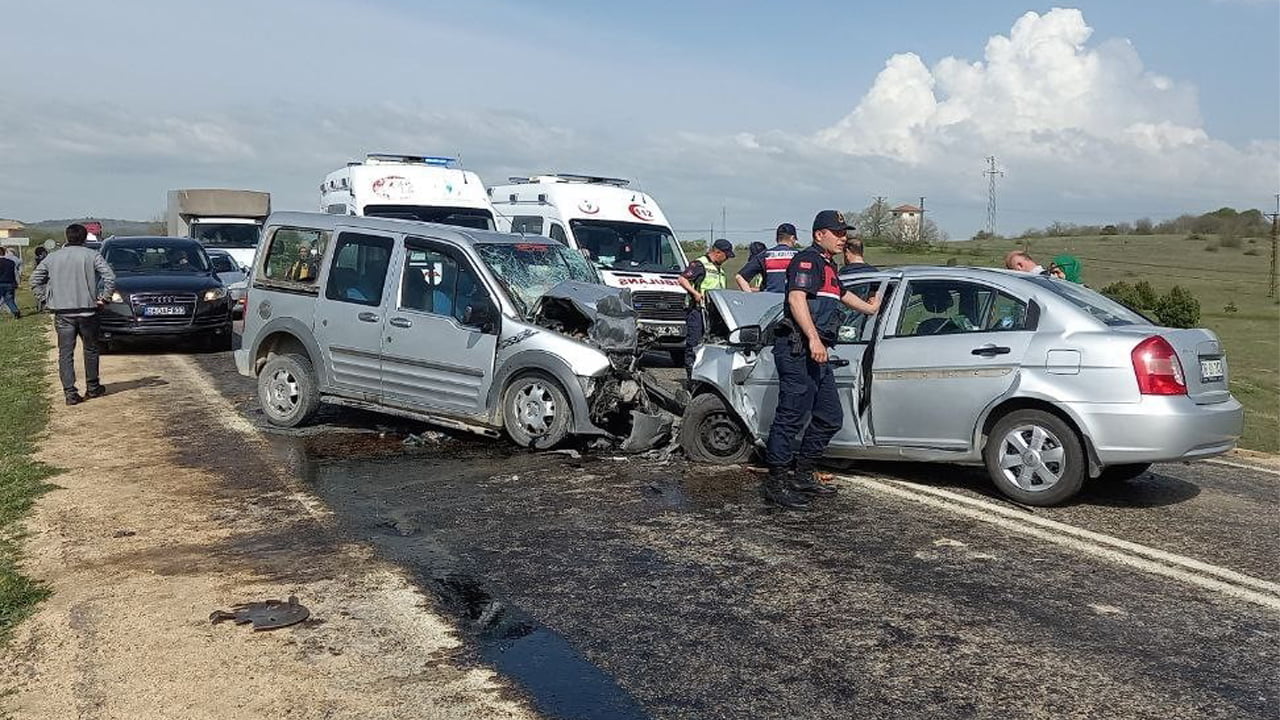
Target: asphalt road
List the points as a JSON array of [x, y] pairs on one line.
[[614, 588]]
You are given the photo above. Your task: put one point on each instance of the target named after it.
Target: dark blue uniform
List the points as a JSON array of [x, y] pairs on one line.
[[694, 327], [807, 389], [772, 263]]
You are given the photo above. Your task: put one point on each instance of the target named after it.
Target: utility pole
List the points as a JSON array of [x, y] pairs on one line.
[[724, 221], [920, 225], [991, 172], [1275, 231]]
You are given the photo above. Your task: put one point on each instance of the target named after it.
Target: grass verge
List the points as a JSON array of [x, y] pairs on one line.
[[24, 413]]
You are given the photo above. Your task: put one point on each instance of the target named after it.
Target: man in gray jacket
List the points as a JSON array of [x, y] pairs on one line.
[[74, 283]]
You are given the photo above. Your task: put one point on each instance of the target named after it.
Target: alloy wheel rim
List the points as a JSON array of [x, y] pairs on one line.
[[535, 408], [1032, 458], [282, 392]]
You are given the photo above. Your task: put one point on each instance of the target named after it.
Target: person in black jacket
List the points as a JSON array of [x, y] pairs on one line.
[[8, 282]]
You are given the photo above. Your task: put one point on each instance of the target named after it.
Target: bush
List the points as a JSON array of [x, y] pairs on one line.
[[1211, 247], [1195, 237], [1252, 251], [1178, 308], [1230, 307], [1140, 296], [1231, 241], [951, 262]]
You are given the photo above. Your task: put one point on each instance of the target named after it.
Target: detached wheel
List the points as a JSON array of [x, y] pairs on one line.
[[1121, 473], [712, 434], [288, 390], [1035, 458], [536, 412]]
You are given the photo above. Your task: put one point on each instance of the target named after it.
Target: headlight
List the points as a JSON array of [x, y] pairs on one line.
[[215, 294], [116, 297]]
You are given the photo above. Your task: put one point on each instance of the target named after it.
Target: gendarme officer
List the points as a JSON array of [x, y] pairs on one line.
[[806, 383]]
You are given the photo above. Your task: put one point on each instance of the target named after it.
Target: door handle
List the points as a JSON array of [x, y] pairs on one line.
[[368, 317], [401, 322], [990, 350]]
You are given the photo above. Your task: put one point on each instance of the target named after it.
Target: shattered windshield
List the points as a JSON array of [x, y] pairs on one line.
[[635, 247], [531, 269]]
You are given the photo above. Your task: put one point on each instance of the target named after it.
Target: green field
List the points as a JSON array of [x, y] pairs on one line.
[[24, 411], [1218, 278]]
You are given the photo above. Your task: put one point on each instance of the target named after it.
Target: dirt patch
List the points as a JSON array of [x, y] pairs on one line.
[[172, 506]]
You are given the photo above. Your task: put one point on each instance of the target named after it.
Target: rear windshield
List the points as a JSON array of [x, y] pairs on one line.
[[474, 218], [1096, 304], [226, 235]]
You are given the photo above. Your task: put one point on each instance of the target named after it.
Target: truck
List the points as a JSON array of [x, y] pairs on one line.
[[230, 220], [426, 188], [620, 229]]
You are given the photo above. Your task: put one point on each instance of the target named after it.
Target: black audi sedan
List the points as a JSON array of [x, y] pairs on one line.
[[164, 287]]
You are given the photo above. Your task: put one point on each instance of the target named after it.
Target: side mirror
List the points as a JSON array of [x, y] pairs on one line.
[[748, 336], [481, 314]]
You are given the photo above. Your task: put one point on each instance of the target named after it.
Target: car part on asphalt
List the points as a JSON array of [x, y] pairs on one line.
[[264, 614]]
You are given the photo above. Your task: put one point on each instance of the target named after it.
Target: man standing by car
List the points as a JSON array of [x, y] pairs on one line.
[[806, 382], [702, 275], [74, 283], [854, 262], [772, 263]]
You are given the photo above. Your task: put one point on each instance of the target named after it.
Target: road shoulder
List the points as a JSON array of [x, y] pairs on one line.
[[172, 507]]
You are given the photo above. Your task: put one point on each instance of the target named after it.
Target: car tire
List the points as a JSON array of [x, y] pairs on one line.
[[1035, 458], [711, 433], [288, 390], [1121, 473], [536, 411]]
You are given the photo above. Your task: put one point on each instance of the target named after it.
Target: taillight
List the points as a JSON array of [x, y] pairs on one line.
[[1156, 365]]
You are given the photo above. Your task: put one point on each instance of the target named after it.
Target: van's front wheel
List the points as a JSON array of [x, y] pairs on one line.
[[536, 412]]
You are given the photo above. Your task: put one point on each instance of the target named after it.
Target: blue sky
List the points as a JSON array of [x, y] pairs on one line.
[[1099, 111]]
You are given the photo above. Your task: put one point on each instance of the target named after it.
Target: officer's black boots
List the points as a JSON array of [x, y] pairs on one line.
[[804, 480], [776, 489]]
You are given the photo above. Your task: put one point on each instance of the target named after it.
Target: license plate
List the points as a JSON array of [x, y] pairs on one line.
[[669, 330], [153, 310], [1210, 370]]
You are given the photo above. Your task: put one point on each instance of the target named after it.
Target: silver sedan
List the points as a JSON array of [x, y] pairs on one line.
[[1043, 381]]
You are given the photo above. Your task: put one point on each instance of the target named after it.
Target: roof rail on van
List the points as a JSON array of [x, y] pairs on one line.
[[433, 160], [571, 178]]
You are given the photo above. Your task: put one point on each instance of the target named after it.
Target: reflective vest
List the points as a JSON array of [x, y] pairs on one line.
[[714, 279]]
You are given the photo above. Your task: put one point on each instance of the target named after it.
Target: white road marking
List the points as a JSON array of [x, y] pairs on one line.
[[1242, 466], [1123, 552]]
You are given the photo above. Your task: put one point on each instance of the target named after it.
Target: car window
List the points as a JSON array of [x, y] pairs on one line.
[[222, 263], [359, 268], [293, 258], [947, 307], [557, 233], [437, 281], [856, 327], [526, 224]]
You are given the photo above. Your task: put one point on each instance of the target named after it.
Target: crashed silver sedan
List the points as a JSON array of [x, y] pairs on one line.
[[469, 329], [1044, 382]]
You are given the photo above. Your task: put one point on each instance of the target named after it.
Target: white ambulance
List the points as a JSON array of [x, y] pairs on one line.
[[409, 187], [621, 230]]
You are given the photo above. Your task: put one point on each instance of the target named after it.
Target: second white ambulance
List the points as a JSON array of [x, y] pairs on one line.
[[409, 187], [621, 230]]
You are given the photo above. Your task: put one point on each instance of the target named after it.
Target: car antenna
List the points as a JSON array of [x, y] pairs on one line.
[[463, 168]]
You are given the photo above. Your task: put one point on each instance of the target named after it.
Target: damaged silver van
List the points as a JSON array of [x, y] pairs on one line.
[[468, 329]]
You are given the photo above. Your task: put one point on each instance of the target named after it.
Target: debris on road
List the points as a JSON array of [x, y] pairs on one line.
[[265, 614], [424, 438]]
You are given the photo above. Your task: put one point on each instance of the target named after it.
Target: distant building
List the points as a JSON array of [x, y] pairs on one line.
[[11, 228], [908, 219]]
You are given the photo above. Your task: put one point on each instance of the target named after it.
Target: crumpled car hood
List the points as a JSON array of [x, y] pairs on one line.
[[603, 314], [740, 309]]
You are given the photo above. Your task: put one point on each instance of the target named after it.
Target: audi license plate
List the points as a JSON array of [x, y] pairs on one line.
[[1210, 369], [154, 310]]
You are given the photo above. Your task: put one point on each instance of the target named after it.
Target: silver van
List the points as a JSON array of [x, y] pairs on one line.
[[469, 329]]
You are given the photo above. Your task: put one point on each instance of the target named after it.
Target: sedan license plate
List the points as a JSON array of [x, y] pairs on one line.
[[1210, 369], [154, 310]]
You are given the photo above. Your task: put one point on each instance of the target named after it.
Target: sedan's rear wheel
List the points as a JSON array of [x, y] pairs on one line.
[[1035, 458], [710, 433]]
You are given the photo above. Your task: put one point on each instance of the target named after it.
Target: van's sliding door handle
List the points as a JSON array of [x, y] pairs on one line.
[[368, 317], [401, 322]]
